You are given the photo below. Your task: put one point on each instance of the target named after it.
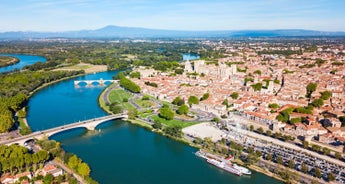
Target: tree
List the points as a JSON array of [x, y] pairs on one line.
[[257, 86], [311, 87], [216, 119], [157, 125], [174, 131], [269, 157], [178, 100], [279, 160], [135, 75], [48, 179], [226, 103], [234, 95], [325, 95], [330, 176], [193, 100], [295, 120], [205, 96], [116, 109], [338, 155], [257, 72], [260, 130], [84, 169], [166, 113], [273, 106], [132, 113], [305, 144], [268, 132], [291, 164], [73, 162], [183, 109], [326, 151], [316, 148], [251, 128], [317, 172], [304, 168], [128, 84], [317, 102]]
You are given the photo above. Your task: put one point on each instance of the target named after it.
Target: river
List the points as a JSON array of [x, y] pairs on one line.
[[121, 152], [23, 61]]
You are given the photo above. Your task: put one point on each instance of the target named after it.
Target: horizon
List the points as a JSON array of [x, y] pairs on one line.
[[187, 15], [135, 27]]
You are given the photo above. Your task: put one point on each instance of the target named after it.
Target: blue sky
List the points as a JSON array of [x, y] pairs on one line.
[[62, 15]]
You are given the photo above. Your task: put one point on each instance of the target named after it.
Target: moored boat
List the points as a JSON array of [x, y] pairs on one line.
[[243, 170], [224, 166]]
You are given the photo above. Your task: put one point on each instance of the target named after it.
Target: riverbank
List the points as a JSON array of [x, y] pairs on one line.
[[52, 82], [8, 60], [261, 167]]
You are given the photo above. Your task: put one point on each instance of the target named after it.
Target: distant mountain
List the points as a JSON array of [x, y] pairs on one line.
[[133, 32]]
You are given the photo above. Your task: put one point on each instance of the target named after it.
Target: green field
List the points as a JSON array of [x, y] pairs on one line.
[[173, 122], [117, 95], [144, 103]]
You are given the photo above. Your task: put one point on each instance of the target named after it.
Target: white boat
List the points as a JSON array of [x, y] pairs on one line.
[[243, 170], [224, 166], [201, 154]]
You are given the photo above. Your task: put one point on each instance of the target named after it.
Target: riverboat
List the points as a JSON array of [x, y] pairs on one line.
[[224, 164]]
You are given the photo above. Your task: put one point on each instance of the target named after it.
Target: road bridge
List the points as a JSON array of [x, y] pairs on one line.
[[89, 124]]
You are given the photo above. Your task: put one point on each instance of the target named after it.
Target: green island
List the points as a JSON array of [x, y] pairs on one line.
[[8, 60]]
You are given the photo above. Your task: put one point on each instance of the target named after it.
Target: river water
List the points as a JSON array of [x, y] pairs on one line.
[[120, 152], [23, 61]]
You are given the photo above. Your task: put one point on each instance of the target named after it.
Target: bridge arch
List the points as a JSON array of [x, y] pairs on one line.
[[90, 124]]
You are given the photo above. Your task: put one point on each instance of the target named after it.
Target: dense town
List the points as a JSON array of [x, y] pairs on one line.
[[270, 103], [291, 89]]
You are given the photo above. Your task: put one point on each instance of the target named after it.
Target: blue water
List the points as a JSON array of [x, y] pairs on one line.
[[63, 103], [24, 60], [121, 152], [190, 57]]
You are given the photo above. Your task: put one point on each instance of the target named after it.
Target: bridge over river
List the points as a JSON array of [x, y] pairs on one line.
[[89, 124], [91, 82]]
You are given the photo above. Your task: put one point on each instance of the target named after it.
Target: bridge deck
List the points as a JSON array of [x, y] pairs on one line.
[[86, 123]]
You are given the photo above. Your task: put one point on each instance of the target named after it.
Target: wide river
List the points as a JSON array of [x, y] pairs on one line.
[[121, 152], [23, 61]]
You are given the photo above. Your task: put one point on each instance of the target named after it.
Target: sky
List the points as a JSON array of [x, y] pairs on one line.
[[68, 15]]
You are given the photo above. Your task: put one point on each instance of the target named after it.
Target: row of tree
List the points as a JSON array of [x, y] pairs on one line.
[[128, 84]]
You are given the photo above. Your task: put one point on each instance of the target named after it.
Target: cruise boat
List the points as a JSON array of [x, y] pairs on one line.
[[224, 166], [243, 170]]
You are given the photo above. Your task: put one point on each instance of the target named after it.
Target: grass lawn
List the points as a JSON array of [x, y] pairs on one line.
[[145, 114], [144, 103], [117, 95], [21, 123], [182, 124]]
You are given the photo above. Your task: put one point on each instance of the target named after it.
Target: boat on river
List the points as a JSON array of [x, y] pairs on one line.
[[224, 164]]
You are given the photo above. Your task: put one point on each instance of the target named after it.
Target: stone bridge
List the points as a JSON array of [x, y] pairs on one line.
[[90, 124], [91, 82]]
